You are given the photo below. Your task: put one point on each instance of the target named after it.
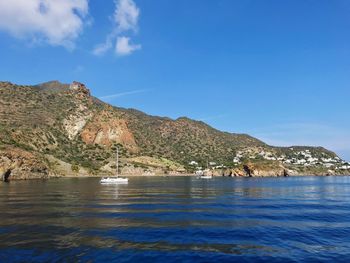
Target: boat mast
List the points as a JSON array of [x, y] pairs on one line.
[[117, 161]]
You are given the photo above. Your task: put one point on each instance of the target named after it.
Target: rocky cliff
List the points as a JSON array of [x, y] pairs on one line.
[[16, 163], [55, 129]]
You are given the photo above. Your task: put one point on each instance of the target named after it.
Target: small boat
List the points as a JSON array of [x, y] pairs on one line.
[[206, 177], [206, 173], [116, 179], [203, 175]]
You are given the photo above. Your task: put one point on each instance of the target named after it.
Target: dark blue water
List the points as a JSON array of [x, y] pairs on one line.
[[176, 219]]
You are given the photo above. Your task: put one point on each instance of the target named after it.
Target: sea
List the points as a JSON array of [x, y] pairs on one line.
[[176, 219]]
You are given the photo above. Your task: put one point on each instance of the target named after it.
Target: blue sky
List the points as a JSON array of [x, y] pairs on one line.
[[278, 70]]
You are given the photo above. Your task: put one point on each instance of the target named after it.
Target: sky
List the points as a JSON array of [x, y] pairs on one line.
[[277, 70]]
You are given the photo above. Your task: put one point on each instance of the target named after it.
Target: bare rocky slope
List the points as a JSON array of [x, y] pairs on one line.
[[55, 129]]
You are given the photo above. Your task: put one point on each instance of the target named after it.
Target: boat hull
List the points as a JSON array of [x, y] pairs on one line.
[[114, 181], [206, 177]]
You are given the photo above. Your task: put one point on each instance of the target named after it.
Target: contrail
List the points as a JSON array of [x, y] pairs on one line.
[[121, 94]]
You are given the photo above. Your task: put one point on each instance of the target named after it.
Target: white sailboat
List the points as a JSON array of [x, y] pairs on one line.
[[116, 179], [205, 174]]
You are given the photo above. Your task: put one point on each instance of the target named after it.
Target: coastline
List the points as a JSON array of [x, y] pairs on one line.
[[175, 175]]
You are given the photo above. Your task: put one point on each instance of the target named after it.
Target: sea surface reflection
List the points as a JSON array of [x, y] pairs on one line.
[[171, 219]]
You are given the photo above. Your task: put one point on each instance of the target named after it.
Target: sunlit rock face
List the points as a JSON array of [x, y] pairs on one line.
[[105, 130], [77, 120]]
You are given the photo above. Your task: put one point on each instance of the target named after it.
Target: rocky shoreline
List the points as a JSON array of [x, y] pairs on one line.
[[164, 175], [18, 164]]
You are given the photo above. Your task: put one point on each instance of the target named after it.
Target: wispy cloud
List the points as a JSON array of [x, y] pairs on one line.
[[126, 16], [78, 69], [58, 23], [122, 94], [214, 117]]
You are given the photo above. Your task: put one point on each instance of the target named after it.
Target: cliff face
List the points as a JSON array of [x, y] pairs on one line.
[[55, 129], [105, 130], [19, 164]]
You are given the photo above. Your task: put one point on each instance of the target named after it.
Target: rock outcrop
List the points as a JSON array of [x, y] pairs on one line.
[[76, 121], [80, 89], [16, 164], [106, 130]]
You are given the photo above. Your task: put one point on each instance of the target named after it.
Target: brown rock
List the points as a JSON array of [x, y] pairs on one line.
[[106, 131], [18, 164]]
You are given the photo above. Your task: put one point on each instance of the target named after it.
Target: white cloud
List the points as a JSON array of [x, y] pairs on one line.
[[102, 48], [57, 22], [123, 46], [126, 15], [126, 18]]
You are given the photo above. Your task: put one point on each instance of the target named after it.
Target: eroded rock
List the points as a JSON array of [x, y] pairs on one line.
[[106, 131], [18, 164]]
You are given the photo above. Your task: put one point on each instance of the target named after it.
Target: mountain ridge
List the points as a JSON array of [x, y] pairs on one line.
[[74, 133]]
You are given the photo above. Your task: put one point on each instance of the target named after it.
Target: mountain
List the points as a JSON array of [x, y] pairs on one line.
[[55, 129]]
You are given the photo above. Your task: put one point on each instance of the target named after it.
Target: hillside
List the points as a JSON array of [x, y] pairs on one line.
[[55, 129]]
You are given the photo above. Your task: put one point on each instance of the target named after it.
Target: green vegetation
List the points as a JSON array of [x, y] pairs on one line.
[[33, 118]]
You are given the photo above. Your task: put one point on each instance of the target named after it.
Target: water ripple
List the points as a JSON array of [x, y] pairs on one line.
[[301, 219]]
